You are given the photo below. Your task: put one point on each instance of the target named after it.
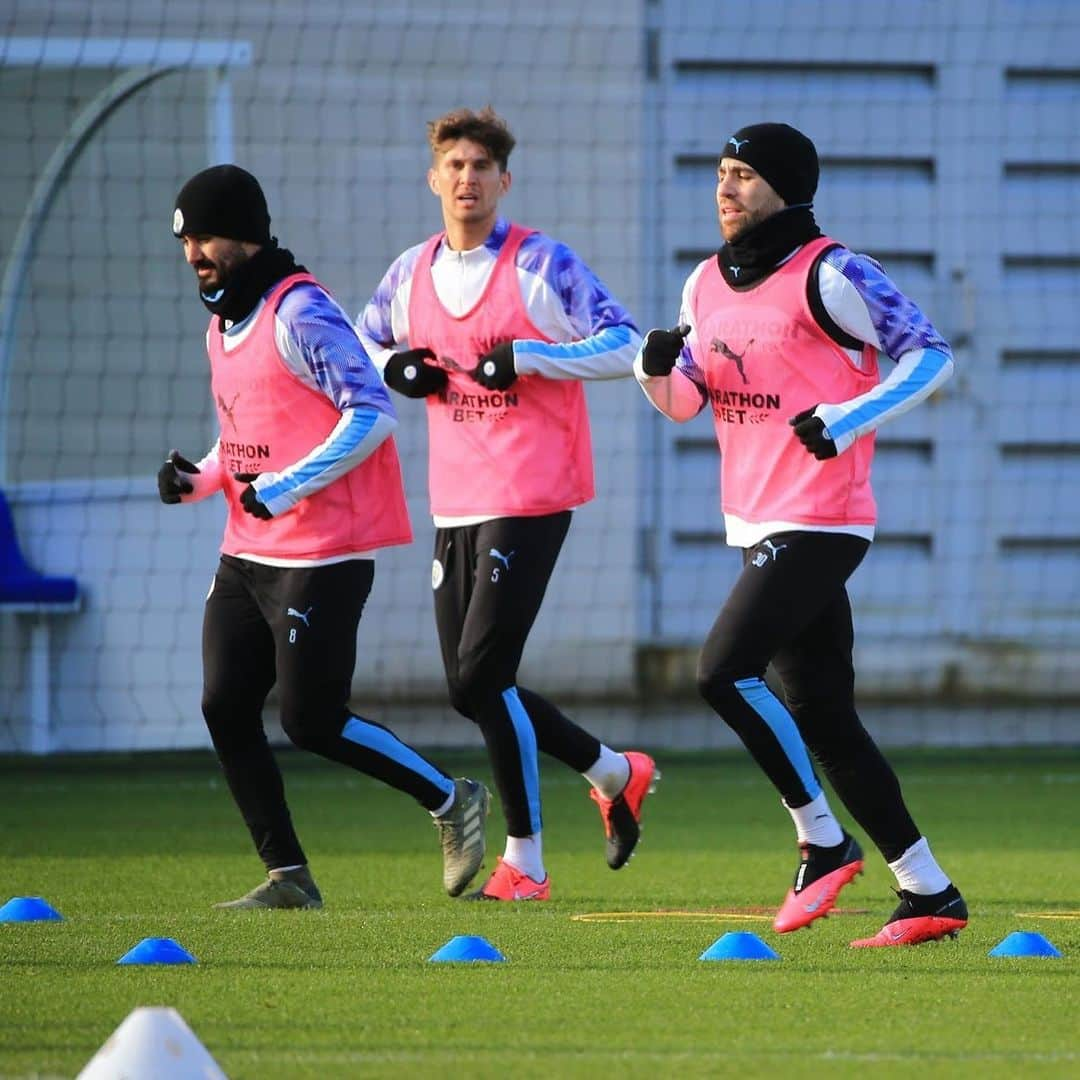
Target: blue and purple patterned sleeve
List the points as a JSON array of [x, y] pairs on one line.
[[862, 300], [585, 299], [593, 335], [383, 325], [319, 346], [899, 324], [315, 332]]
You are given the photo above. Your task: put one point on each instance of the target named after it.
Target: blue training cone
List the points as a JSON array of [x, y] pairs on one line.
[[1024, 943], [466, 948], [29, 909], [157, 950], [739, 945]]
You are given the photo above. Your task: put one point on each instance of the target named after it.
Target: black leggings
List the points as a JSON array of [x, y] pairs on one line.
[[489, 581], [296, 627], [790, 607]]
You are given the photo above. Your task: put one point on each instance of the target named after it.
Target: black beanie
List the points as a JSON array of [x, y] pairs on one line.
[[223, 200], [786, 158]]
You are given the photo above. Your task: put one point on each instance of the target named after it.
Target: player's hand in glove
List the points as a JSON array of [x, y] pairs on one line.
[[810, 430], [408, 374], [495, 370], [661, 350], [171, 481], [249, 497]]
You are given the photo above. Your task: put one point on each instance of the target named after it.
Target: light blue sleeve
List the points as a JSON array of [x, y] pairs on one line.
[[355, 437]]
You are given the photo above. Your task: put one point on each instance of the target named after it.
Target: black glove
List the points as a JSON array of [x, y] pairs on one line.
[[407, 373], [661, 349], [495, 370], [249, 497], [171, 483], [810, 431]]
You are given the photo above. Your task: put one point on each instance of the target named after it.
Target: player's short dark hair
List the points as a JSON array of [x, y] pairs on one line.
[[486, 128]]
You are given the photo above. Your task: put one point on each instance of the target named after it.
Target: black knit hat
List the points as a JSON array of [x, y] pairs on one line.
[[786, 158], [223, 200]]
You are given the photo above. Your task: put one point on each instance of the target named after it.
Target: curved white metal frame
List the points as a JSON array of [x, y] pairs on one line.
[[145, 61]]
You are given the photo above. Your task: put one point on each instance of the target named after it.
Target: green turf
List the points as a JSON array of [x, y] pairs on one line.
[[133, 847]]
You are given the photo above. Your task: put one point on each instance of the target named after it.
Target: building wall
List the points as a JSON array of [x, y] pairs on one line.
[[950, 148], [109, 368]]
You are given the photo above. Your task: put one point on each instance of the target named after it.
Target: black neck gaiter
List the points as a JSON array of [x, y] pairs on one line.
[[249, 282], [756, 253]]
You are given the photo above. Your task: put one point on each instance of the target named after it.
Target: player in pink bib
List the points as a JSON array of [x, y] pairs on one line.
[[779, 335], [305, 459], [496, 326]]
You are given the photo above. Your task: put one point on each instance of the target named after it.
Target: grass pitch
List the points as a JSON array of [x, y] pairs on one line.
[[604, 980]]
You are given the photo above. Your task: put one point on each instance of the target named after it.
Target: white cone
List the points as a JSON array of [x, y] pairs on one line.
[[153, 1043]]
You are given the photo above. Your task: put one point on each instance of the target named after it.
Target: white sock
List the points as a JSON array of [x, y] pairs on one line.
[[815, 824], [609, 773], [526, 853], [917, 870], [446, 805]]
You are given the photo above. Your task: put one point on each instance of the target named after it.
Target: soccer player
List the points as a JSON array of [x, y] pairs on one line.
[[495, 325], [778, 337], [306, 462]]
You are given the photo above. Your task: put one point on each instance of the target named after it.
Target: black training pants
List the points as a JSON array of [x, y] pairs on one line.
[[489, 581], [295, 626], [790, 607]]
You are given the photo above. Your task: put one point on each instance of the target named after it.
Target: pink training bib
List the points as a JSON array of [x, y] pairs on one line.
[[765, 358], [268, 421], [523, 451]]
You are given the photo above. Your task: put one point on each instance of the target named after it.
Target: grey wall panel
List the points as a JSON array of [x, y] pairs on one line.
[[949, 151]]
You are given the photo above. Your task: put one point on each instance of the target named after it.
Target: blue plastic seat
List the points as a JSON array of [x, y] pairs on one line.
[[37, 598], [21, 586]]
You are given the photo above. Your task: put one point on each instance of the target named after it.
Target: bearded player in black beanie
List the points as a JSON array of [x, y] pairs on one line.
[[778, 336], [306, 462]]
